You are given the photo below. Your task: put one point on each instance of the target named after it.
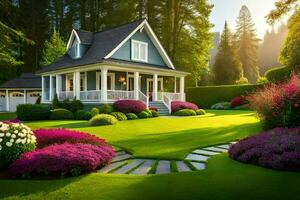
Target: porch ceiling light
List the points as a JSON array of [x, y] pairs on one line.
[[122, 79]]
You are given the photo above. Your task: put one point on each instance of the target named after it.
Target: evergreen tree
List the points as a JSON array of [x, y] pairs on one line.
[[227, 68], [247, 44], [54, 48], [290, 54], [282, 7]]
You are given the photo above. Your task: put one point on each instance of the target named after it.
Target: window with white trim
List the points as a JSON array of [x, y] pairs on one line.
[[139, 51]]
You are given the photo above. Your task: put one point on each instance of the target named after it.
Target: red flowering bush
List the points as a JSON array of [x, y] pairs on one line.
[[278, 149], [179, 105], [129, 106], [278, 105], [62, 160], [153, 108], [237, 101], [46, 137]]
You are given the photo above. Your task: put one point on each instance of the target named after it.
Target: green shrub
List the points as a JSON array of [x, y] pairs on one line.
[[119, 115], [262, 80], [242, 107], [27, 112], [76, 105], [206, 96], [149, 112], [66, 104], [94, 112], [242, 81], [144, 114], [154, 113], [55, 103], [61, 113], [12, 144], [221, 106], [106, 108], [82, 115], [185, 112], [102, 120], [200, 112], [278, 74], [131, 116]]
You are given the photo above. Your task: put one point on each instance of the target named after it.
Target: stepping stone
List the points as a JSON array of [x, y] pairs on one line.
[[144, 168], [120, 153], [126, 168], [198, 166], [121, 157], [182, 167], [163, 167], [233, 142], [206, 153], [112, 166], [197, 157], [215, 149], [224, 146]]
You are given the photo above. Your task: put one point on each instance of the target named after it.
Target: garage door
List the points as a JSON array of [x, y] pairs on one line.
[[2, 102], [32, 97], [16, 98]]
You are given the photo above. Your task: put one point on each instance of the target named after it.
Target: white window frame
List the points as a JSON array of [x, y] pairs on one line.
[[132, 76], [139, 43], [68, 78], [110, 75]]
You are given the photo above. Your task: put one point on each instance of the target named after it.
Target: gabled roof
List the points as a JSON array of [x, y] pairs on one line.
[[103, 44], [26, 80]]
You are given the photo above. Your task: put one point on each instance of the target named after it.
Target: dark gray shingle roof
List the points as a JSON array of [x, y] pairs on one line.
[[85, 36], [102, 44], [26, 80]]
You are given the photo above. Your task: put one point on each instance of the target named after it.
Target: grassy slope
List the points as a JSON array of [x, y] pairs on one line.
[[224, 179], [170, 138]]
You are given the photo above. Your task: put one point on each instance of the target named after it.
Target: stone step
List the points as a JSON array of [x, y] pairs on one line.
[[204, 152], [144, 168], [121, 157], [163, 167], [197, 157], [120, 153], [216, 149], [128, 167], [182, 167], [198, 166], [112, 166], [224, 146]]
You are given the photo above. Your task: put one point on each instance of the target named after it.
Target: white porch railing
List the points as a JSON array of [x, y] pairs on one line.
[[65, 95], [119, 94], [167, 101], [144, 98], [90, 95]]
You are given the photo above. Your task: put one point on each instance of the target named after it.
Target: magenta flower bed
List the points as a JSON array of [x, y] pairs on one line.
[[46, 137], [129, 106], [15, 121], [179, 105], [277, 149], [62, 160], [237, 101]]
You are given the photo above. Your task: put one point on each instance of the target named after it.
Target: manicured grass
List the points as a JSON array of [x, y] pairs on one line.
[[224, 179], [6, 116], [170, 138]]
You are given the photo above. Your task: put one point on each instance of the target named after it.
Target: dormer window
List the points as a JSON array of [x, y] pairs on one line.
[[139, 51], [77, 50]]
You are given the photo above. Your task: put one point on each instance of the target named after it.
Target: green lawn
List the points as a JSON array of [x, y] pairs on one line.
[[167, 138]]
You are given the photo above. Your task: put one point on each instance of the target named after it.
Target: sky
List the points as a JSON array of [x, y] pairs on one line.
[[229, 10]]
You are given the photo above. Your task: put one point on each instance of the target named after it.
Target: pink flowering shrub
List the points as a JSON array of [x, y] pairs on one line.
[[46, 137], [129, 106], [278, 149], [278, 105], [62, 160], [179, 105], [237, 101]]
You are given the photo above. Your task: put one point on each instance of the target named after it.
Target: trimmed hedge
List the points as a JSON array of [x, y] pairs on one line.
[[206, 96], [102, 120], [106, 108], [82, 115], [119, 115], [185, 112], [144, 114], [278, 74], [27, 112], [61, 113], [200, 112], [131, 116], [129, 106]]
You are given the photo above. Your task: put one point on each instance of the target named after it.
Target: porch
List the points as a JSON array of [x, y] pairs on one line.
[[109, 84]]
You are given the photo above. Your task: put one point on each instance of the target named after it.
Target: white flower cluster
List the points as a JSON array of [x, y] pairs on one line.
[[15, 133]]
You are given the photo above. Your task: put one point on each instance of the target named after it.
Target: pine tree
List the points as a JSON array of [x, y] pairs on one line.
[[247, 44], [54, 48], [227, 68]]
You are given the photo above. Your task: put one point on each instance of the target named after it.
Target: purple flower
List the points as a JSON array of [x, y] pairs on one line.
[[15, 121], [129, 106]]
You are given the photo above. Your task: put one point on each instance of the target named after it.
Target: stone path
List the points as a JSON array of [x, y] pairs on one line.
[[125, 163]]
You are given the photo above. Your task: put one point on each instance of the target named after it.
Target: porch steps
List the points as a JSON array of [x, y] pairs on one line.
[[162, 109]]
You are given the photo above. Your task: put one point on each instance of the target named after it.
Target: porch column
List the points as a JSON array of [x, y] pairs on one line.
[[58, 84], [104, 84], [43, 89], [136, 85], [181, 89], [7, 100], [50, 88], [175, 84], [76, 85], [25, 97], [155, 87]]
